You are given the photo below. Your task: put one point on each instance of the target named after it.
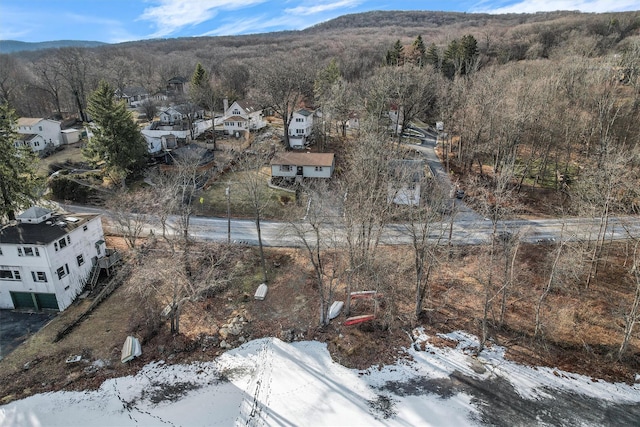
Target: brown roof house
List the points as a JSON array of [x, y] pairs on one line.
[[303, 165]]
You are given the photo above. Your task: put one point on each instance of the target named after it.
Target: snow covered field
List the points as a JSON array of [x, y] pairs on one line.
[[269, 382]]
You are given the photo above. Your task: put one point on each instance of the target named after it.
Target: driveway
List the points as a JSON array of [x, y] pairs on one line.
[[427, 149], [16, 327]]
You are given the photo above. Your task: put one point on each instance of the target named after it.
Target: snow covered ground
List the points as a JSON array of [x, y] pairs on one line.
[[269, 382]]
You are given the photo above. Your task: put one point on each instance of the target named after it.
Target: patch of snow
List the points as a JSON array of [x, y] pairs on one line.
[[270, 382]]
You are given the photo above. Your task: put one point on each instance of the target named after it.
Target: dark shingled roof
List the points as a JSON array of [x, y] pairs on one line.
[[43, 233]]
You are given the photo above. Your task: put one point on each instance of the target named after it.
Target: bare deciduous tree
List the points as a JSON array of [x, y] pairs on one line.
[[318, 235], [253, 187], [283, 84]]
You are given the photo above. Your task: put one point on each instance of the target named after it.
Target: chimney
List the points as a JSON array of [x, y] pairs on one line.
[[225, 105]]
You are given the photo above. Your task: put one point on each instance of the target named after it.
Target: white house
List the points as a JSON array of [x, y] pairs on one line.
[[178, 113], [46, 258], [300, 128], [48, 132], [406, 177], [242, 116], [354, 121], [305, 165]]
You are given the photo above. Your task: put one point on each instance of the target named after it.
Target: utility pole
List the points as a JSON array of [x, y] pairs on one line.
[[227, 192]]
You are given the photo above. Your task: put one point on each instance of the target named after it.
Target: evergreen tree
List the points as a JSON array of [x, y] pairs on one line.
[[432, 56], [460, 56], [395, 56], [199, 88], [199, 77], [419, 51], [117, 139], [18, 182], [325, 79]]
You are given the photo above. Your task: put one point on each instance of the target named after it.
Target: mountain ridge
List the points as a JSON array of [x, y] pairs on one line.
[[12, 46]]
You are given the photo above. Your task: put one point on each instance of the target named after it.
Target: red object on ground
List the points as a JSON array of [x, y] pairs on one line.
[[358, 319]]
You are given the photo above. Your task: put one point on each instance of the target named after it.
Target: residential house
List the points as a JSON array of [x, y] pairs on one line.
[[134, 95], [177, 85], [406, 177], [47, 258], [295, 165], [300, 128], [354, 121], [178, 113], [242, 116], [37, 133]]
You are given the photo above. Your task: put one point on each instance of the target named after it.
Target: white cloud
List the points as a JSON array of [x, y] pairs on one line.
[[323, 7], [251, 26], [532, 6], [172, 15]]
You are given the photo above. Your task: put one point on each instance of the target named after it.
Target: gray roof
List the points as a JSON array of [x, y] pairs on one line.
[[304, 112], [34, 212], [43, 233]]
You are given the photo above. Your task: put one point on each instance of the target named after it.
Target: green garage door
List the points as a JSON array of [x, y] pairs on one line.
[[27, 300], [47, 301], [23, 300]]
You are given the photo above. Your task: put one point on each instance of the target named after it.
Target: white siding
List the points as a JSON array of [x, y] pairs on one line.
[[66, 288], [317, 171]]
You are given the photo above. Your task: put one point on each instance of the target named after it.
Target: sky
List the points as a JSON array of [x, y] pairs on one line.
[[115, 21]]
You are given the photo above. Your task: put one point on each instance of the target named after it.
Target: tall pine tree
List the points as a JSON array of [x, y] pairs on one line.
[[199, 88], [419, 52], [395, 56], [117, 139], [18, 182]]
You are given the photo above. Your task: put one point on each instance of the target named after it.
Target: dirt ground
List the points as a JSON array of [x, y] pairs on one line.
[[582, 327]]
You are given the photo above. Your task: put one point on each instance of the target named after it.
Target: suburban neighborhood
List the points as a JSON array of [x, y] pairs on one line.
[[421, 218]]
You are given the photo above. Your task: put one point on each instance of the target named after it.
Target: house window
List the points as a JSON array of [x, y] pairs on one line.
[[62, 243], [84, 228], [236, 112], [299, 120], [80, 260], [40, 128], [36, 143], [28, 251], [318, 168], [39, 276], [9, 275], [62, 271], [299, 131], [285, 168], [0, 251]]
